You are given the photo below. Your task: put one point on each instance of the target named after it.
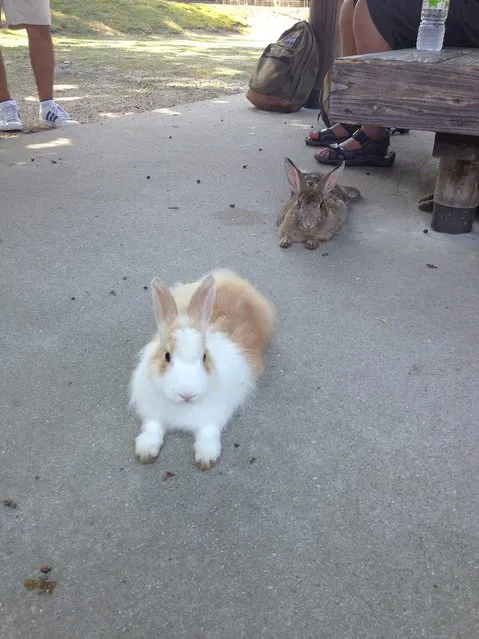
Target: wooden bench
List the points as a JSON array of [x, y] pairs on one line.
[[425, 91]]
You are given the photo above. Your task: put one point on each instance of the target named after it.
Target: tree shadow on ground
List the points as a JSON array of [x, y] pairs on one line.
[[98, 78]]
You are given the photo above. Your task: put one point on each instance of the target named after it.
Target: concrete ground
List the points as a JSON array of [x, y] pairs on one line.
[[344, 505]]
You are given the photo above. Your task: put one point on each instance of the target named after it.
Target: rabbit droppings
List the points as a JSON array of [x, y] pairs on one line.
[[202, 363], [316, 209]]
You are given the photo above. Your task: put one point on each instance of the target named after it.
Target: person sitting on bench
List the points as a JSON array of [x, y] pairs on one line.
[[375, 26]]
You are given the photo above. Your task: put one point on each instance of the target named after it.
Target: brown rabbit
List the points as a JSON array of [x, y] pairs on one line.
[[316, 209]]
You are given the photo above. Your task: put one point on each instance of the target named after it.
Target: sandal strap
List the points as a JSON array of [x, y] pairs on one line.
[[372, 146], [338, 154], [395, 130], [351, 128], [327, 136]]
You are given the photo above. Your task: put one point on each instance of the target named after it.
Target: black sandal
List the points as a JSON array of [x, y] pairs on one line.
[[393, 131], [371, 153], [327, 136]]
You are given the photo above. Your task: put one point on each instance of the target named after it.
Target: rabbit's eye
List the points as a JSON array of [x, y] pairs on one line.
[[167, 356]]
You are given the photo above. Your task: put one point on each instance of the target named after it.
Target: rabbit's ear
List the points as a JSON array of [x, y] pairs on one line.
[[295, 176], [201, 304], [164, 304], [329, 181]]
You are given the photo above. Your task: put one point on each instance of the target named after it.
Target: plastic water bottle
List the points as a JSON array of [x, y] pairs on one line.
[[431, 32]]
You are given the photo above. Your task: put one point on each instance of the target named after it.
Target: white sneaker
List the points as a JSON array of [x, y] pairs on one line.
[[53, 115], [10, 116]]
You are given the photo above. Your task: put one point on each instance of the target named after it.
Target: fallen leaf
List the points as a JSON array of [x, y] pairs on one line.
[[168, 475], [45, 569], [9, 503], [43, 585], [431, 266]]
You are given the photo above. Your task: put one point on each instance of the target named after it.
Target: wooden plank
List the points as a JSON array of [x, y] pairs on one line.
[[445, 56], [408, 89], [469, 58], [460, 147]]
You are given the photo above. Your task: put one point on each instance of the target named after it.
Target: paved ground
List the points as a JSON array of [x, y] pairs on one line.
[[349, 508]]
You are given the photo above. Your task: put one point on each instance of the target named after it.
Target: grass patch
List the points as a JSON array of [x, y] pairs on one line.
[[100, 75], [164, 59], [122, 17], [99, 78]]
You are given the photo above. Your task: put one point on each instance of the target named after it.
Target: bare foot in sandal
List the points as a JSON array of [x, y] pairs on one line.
[[334, 135], [361, 149]]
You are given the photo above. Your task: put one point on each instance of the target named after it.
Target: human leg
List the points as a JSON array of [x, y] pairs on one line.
[[40, 47], [34, 16], [346, 28], [339, 132], [370, 143], [4, 93], [9, 115]]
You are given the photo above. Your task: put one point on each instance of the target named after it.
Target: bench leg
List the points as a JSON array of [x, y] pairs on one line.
[[456, 196]]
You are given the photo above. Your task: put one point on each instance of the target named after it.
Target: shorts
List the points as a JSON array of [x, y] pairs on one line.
[[398, 22], [19, 13]]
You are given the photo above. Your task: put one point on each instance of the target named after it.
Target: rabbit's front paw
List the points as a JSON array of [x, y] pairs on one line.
[[207, 448], [205, 464], [284, 241], [147, 446], [312, 244]]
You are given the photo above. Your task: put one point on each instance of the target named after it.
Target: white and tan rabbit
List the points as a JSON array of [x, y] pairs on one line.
[[203, 362], [316, 209]]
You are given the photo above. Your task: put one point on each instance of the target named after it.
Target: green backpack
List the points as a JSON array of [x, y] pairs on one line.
[[286, 71]]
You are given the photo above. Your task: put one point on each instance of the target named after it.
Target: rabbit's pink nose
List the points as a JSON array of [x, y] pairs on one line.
[[187, 397]]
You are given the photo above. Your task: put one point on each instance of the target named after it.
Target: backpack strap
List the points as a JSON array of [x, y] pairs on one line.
[[322, 110]]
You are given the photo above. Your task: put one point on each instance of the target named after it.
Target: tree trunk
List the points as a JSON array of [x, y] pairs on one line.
[[323, 17]]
